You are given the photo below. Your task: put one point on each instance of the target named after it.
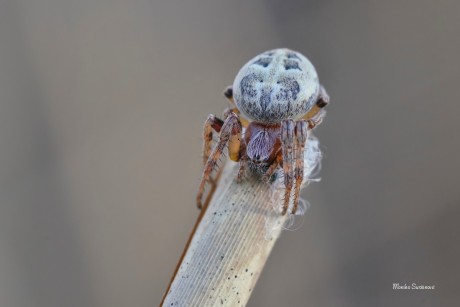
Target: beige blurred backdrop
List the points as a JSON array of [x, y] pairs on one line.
[[101, 109]]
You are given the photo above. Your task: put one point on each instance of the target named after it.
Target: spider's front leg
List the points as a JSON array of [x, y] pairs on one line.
[[211, 123], [301, 136], [293, 138], [316, 114], [287, 144], [243, 158], [273, 167], [230, 132]]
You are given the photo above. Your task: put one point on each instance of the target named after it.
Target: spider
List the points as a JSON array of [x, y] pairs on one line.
[[275, 100]]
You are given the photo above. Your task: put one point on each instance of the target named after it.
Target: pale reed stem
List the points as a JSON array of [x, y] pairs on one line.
[[229, 245]]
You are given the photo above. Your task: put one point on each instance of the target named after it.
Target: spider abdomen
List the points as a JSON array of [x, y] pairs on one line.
[[276, 85]]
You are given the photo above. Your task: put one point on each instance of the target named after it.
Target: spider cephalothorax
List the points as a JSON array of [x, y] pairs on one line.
[[277, 98]]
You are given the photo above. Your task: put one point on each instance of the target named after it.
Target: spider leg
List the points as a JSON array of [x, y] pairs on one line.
[[215, 123], [316, 120], [301, 135], [316, 114], [287, 144], [323, 97], [243, 161], [211, 123], [272, 168], [229, 132], [228, 93], [234, 143]]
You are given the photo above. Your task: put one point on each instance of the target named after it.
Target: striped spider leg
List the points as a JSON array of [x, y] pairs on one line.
[[293, 138], [229, 133]]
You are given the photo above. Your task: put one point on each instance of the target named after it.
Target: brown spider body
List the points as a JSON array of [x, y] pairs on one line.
[[276, 99]]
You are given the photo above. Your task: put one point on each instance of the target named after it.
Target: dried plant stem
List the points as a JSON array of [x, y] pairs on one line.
[[229, 245]]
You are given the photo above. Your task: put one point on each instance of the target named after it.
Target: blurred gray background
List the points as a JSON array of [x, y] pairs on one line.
[[101, 109]]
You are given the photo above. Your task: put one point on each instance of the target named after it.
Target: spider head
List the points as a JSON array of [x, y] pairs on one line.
[[276, 85]]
